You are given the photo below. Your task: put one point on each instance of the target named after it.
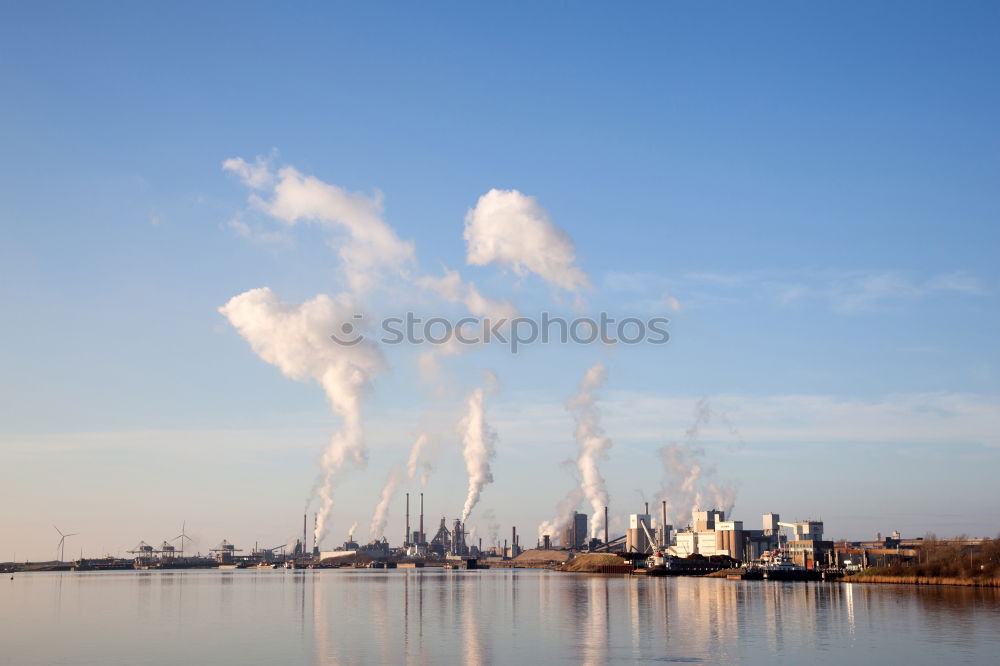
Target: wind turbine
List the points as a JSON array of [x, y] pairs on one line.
[[62, 542], [182, 536]]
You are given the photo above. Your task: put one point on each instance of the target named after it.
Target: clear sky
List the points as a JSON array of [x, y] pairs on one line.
[[808, 192]]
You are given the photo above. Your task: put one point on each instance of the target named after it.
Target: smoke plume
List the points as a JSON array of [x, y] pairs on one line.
[[368, 245], [295, 337], [453, 289], [478, 443], [419, 460], [687, 484], [381, 516], [564, 516], [492, 527], [592, 441], [512, 229]]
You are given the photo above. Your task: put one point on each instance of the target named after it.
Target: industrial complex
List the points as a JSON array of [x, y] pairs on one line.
[[708, 543]]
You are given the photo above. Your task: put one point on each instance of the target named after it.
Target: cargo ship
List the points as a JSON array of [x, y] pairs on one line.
[[659, 564]]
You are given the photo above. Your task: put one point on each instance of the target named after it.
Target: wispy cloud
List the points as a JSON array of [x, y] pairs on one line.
[[366, 243], [842, 291], [902, 419], [257, 234]]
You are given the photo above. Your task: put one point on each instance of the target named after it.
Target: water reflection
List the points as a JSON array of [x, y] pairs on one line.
[[592, 618], [505, 616]]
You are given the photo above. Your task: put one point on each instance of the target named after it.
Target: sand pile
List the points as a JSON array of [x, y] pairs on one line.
[[348, 559], [538, 557], [592, 562]]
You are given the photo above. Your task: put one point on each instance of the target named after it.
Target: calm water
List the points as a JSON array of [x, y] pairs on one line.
[[503, 616]]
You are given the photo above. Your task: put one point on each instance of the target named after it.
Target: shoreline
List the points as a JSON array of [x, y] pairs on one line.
[[924, 580]]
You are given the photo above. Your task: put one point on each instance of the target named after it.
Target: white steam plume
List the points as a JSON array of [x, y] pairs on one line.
[[687, 485], [419, 460], [381, 516], [453, 289], [512, 229], [370, 243], [478, 443], [593, 443], [351, 532], [296, 338], [492, 527], [564, 516]]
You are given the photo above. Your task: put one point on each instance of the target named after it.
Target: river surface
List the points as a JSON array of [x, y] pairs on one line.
[[518, 616]]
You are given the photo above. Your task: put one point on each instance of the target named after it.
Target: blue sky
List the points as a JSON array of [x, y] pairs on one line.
[[816, 186]]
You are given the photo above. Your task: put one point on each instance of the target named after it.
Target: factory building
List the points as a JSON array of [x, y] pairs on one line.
[[770, 521], [711, 534], [575, 533], [639, 537], [704, 521]]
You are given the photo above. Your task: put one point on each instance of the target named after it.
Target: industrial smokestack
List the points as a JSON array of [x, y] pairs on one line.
[[305, 516], [406, 534], [457, 538], [513, 539], [422, 540], [663, 527], [646, 512], [315, 549], [606, 525]]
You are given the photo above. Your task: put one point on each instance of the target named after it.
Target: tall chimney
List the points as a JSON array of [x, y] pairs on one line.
[[458, 538], [315, 529], [406, 534], [605, 525], [304, 542], [513, 540], [663, 527], [423, 540], [647, 509]]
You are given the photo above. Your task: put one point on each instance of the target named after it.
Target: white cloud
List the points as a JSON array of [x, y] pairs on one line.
[[453, 289], [512, 229], [370, 244], [256, 175]]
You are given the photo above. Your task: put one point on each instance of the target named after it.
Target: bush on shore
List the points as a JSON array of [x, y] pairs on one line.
[[947, 559]]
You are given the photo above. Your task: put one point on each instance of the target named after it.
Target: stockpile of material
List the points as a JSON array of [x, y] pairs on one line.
[[593, 563], [542, 558]]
